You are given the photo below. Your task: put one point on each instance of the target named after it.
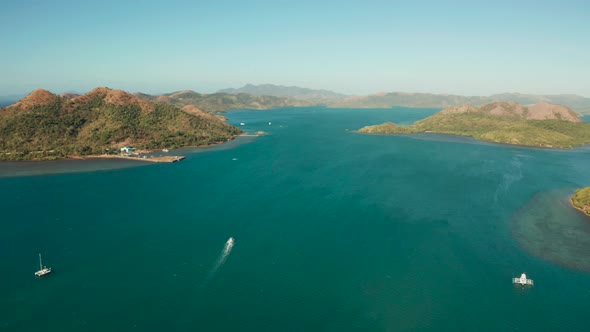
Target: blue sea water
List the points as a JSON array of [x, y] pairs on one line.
[[334, 231], [7, 101]]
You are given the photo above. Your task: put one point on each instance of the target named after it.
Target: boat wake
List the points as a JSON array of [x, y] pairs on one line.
[[220, 260]]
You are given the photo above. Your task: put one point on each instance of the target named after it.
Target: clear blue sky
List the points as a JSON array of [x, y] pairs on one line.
[[358, 47]]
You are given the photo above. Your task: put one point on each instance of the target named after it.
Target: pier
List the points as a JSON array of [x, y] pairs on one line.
[[151, 159]]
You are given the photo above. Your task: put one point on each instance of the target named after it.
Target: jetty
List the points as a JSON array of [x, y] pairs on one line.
[[523, 280], [163, 159], [152, 159]]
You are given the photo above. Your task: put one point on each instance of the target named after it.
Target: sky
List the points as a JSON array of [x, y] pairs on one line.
[[354, 47]]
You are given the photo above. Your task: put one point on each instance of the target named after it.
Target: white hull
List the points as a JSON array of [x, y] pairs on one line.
[[523, 280], [43, 272]]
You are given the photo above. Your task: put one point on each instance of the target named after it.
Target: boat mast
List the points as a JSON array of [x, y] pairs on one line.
[[40, 264]]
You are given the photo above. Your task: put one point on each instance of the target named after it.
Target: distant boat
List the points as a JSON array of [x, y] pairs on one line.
[[165, 150], [43, 270], [522, 280], [242, 124], [269, 123]]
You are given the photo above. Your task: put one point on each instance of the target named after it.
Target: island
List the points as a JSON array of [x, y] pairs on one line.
[[101, 123], [540, 125], [581, 200]]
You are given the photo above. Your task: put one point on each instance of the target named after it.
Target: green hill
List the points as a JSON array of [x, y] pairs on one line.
[[47, 126], [222, 102], [581, 200], [541, 125]]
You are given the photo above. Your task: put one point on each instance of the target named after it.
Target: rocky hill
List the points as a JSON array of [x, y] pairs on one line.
[[47, 126], [541, 111], [541, 125]]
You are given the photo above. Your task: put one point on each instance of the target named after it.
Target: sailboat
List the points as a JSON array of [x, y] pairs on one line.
[[43, 270]]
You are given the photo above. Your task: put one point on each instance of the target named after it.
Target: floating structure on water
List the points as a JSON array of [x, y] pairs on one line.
[[522, 280], [43, 270]]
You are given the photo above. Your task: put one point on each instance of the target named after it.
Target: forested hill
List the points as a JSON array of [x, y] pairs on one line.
[[47, 126]]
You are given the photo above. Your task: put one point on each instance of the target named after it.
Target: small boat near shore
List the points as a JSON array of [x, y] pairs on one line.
[[43, 270]]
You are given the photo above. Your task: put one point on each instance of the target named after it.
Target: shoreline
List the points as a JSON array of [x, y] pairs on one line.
[[154, 159], [553, 148], [571, 199]]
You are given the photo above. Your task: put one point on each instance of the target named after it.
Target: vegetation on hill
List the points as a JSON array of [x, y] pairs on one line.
[[581, 200], [47, 126], [542, 126], [222, 102]]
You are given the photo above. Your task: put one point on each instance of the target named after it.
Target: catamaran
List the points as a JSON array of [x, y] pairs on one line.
[[522, 280], [43, 270]]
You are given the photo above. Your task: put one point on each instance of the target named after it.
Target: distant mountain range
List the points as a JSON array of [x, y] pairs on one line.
[[222, 102], [267, 96], [577, 103], [286, 91], [391, 99]]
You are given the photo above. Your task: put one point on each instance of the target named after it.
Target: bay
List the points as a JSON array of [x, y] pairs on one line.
[[334, 231]]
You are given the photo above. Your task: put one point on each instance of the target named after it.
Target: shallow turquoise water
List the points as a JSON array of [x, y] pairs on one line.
[[335, 231]]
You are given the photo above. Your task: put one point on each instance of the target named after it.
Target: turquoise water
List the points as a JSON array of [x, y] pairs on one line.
[[334, 231]]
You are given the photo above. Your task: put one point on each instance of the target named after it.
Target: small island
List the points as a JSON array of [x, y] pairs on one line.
[[541, 125], [581, 200], [100, 124]]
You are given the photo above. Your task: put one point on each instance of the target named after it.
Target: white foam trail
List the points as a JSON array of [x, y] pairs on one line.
[[220, 260], [512, 175]]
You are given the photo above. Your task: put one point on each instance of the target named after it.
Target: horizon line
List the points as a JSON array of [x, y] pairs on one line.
[[66, 91]]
